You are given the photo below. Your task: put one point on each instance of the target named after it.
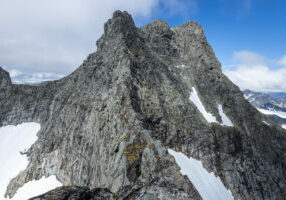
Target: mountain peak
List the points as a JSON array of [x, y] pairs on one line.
[[120, 28], [146, 90], [120, 22]]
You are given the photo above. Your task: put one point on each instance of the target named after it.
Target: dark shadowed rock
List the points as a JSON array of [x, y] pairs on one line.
[[76, 193], [109, 124], [5, 79]]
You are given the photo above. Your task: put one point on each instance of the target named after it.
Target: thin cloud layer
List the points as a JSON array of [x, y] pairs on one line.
[[53, 36], [249, 58], [253, 72], [282, 61], [33, 77], [239, 8], [179, 7]]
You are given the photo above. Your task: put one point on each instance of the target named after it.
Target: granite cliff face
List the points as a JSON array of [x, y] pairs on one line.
[[109, 123]]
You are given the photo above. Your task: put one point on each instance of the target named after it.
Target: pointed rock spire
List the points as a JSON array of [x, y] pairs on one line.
[[5, 79]]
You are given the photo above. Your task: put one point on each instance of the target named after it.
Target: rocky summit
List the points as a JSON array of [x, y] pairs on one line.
[[107, 127]]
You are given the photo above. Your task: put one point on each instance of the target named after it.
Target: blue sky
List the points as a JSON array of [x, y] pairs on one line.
[[47, 39], [248, 37], [235, 25]]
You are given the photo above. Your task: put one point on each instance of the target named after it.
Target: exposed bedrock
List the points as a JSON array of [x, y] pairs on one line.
[[109, 123]]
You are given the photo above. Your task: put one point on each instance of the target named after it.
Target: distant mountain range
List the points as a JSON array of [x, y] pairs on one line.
[[270, 103]]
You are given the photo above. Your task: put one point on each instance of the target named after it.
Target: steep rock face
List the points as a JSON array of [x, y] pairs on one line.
[[109, 123]]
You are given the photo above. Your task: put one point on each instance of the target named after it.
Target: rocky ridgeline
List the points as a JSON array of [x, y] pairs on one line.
[[109, 123]]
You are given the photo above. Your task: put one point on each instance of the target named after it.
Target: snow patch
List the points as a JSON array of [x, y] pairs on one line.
[[225, 120], [181, 66], [36, 188], [272, 112], [15, 139], [196, 100], [266, 123], [208, 116], [207, 184], [284, 126], [247, 96]]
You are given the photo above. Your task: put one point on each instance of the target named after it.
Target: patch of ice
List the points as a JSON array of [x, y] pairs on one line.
[[272, 112], [37, 187], [225, 120], [196, 100], [207, 184]]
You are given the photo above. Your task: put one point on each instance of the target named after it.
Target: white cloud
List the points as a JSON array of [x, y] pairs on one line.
[[248, 57], [15, 73], [252, 72], [179, 7], [55, 36], [51, 36], [32, 77], [282, 61]]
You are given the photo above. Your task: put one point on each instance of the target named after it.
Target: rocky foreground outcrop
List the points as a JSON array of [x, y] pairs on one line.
[[109, 123]]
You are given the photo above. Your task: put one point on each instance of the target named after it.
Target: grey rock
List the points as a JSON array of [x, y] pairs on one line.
[[5, 80], [154, 190], [109, 123], [265, 101], [76, 193], [273, 101], [257, 99]]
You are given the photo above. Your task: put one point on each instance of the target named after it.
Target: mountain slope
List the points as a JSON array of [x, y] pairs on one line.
[[266, 101], [273, 104], [111, 122]]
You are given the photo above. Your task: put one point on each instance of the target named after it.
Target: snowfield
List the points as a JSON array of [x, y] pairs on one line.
[[225, 120], [194, 97], [207, 184], [15, 139], [35, 188], [265, 122], [196, 100], [272, 112]]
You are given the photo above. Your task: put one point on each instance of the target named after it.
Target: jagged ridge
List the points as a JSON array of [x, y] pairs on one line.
[[109, 123]]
